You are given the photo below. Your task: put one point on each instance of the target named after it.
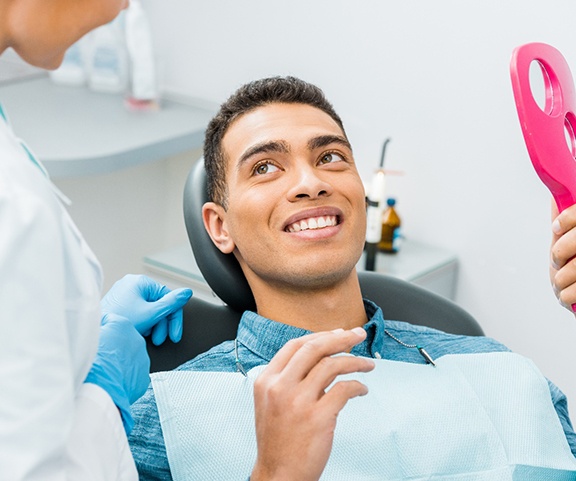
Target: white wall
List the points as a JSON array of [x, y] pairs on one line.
[[433, 75], [128, 214]]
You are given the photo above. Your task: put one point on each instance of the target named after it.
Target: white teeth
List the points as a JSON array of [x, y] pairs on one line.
[[313, 223]]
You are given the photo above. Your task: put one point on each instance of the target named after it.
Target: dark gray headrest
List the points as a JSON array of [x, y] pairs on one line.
[[221, 271]]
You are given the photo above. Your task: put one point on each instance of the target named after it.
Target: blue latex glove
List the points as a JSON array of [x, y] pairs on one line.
[[150, 306], [122, 365]]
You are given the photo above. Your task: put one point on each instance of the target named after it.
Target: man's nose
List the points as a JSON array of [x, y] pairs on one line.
[[308, 183]]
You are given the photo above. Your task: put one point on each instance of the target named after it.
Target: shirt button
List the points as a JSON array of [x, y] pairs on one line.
[[377, 355]]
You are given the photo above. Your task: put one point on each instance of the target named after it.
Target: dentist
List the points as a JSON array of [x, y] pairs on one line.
[[70, 364]]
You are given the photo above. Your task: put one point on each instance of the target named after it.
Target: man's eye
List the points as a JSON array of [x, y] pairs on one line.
[[330, 157], [265, 168]]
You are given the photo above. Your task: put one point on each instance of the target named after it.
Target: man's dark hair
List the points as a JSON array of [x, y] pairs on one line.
[[255, 94]]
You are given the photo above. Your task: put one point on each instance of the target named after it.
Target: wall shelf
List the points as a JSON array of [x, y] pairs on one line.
[[76, 132]]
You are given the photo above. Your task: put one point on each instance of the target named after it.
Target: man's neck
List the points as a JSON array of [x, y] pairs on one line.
[[328, 308]]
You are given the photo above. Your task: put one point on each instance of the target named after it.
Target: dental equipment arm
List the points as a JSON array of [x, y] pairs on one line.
[[374, 209]]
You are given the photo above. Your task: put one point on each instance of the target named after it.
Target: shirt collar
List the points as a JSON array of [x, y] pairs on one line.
[[265, 337]]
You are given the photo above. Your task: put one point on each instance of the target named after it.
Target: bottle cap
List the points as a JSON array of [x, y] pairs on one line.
[[391, 202]]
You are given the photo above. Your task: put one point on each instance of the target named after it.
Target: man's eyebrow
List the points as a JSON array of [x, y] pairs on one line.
[[264, 147], [324, 140]]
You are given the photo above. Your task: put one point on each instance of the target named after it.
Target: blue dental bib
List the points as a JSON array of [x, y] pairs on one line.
[[473, 417]]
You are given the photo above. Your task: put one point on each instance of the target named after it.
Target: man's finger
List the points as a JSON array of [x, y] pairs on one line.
[[329, 368], [280, 360], [311, 352], [336, 398]]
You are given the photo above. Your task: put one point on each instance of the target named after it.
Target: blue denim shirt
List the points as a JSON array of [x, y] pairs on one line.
[[259, 339]]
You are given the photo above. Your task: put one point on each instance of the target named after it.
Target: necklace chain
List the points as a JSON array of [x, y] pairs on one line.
[[421, 350], [399, 341]]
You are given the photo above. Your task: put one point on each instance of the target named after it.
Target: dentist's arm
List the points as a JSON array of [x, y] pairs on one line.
[[122, 366], [135, 306], [295, 415], [563, 256]]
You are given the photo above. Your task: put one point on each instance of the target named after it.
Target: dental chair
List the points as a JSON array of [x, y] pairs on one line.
[[207, 324]]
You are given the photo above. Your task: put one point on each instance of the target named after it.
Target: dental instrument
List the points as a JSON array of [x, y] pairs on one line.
[[374, 209]]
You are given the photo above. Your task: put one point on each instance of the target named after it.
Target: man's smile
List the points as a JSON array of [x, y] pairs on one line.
[[313, 223], [313, 219]]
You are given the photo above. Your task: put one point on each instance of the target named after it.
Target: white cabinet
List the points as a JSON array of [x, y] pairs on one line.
[[431, 267]]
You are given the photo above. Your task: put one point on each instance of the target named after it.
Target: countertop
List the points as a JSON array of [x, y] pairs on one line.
[[75, 131]]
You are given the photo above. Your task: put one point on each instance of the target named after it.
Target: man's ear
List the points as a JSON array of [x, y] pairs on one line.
[[214, 217]]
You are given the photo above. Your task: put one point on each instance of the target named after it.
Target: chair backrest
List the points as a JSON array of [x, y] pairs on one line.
[[222, 272], [207, 324]]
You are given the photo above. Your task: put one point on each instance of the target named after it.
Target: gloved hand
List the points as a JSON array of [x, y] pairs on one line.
[[149, 306], [122, 365]]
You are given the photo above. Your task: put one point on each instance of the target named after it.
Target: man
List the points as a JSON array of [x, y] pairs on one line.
[[288, 203]]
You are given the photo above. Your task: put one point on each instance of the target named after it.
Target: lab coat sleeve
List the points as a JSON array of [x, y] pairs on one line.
[[52, 426], [104, 455], [36, 372]]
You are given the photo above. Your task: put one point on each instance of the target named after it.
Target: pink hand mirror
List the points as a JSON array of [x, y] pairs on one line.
[[548, 129]]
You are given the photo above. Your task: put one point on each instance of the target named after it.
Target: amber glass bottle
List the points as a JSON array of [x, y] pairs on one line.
[[391, 223]]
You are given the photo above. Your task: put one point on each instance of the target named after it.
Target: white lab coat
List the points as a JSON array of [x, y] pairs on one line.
[[52, 425]]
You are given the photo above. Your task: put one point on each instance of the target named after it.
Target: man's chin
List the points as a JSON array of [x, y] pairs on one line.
[[319, 279]]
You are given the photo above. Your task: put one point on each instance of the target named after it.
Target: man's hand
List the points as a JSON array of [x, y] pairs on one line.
[[295, 415], [563, 256]]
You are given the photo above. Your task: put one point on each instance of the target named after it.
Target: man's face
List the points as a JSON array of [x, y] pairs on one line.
[[296, 204]]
